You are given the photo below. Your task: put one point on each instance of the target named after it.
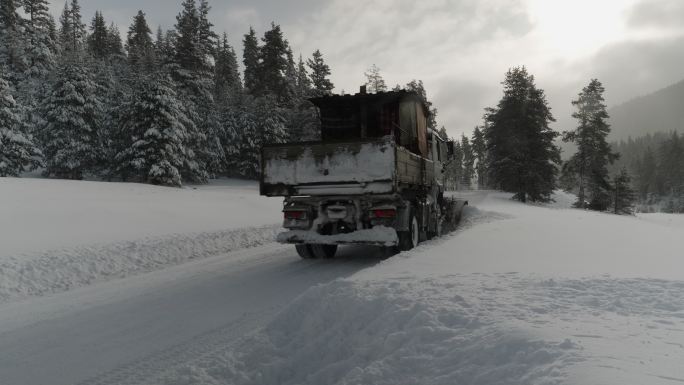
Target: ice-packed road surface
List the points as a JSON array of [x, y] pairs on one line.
[[129, 331], [126, 284]]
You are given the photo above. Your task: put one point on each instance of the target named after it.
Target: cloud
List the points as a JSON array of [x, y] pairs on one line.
[[657, 14]]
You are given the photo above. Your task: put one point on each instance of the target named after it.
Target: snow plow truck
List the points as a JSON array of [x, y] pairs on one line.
[[376, 177]]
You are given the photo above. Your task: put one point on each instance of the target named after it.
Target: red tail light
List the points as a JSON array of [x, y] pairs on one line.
[[385, 213], [295, 214]]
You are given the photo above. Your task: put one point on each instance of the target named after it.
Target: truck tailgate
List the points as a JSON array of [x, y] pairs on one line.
[[358, 167]]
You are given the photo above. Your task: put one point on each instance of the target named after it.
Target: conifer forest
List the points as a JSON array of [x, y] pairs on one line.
[[80, 99]]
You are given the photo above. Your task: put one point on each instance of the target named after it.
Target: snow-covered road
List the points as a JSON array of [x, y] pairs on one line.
[[133, 330], [185, 287]]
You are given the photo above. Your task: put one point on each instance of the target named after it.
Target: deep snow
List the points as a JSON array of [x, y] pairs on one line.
[[519, 295]]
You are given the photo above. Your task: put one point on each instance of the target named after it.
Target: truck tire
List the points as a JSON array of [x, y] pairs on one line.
[[409, 239], [304, 251], [324, 251]]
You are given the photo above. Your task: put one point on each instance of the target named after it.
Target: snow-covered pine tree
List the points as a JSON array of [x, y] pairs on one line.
[[18, 152], [110, 91], [590, 162], [11, 42], [623, 196], [157, 128], [522, 155], [304, 84], [374, 80], [230, 135], [114, 44], [468, 163], [98, 40], [320, 72], [305, 120], [72, 30], [163, 48], [227, 82], [139, 45], [480, 152], [250, 59], [208, 39], [70, 112], [193, 72], [274, 64], [261, 123], [40, 44]]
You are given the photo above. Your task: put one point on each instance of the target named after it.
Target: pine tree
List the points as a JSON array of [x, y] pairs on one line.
[[671, 168], [193, 72], [17, 149], [374, 80], [73, 31], [11, 44], [208, 39], [69, 136], [273, 65], [646, 177], [250, 59], [139, 44], [480, 152], [163, 48], [320, 72], [623, 195], [468, 163], [114, 43], [418, 87], [98, 40], [230, 135], [522, 155], [454, 169], [227, 83], [594, 154], [261, 123], [41, 46], [189, 54], [156, 127]]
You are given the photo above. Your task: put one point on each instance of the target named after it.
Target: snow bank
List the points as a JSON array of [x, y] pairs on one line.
[[58, 234], [64, 269], [44, 214]]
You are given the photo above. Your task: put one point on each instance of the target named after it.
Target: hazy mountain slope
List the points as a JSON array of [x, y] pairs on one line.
[[661, 111]]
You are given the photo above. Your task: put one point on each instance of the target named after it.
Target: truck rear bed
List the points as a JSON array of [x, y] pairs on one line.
[[376, 166]]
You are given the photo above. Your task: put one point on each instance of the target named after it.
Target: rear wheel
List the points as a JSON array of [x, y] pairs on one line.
[[410, 239], [304, 251], [324, 251]]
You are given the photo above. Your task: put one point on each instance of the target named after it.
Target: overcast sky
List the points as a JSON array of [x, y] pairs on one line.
[[462, 48]]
